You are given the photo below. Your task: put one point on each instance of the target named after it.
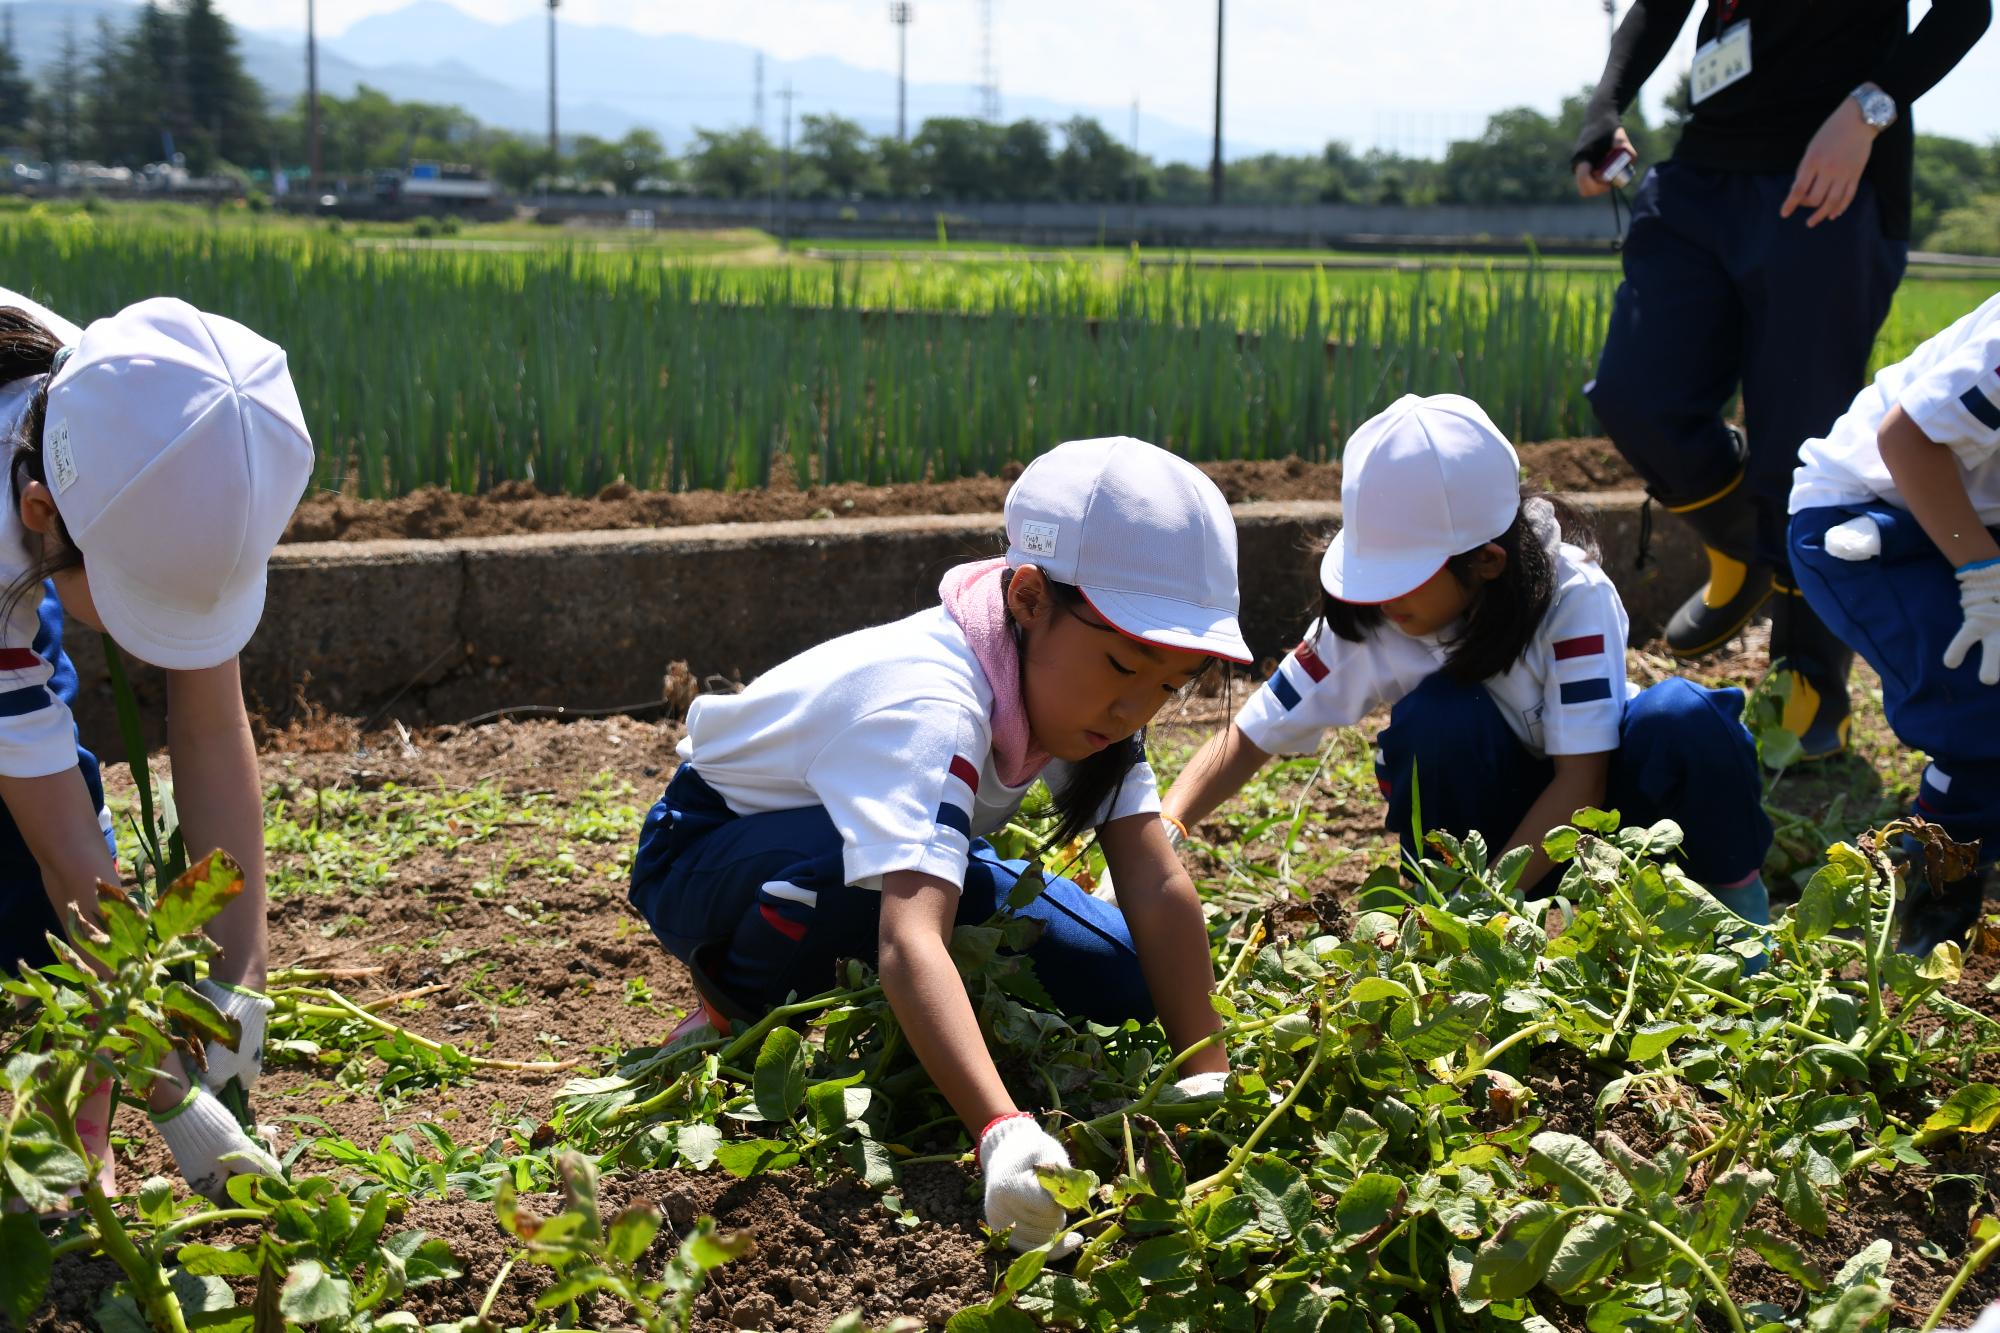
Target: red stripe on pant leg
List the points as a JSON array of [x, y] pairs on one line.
[[18, 659], [962, 769], [791, 930]]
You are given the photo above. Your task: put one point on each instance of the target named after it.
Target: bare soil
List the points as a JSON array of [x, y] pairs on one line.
[[539, 965], [1582, 465]]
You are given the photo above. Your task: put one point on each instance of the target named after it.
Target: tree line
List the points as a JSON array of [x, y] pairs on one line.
[[173, 79]]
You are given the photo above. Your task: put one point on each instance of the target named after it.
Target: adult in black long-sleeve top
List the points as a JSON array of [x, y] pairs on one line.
[[1763, 256]]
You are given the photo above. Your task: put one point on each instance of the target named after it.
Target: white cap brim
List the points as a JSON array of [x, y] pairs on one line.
[[1372, 582], [1168, 623], [170, 639]]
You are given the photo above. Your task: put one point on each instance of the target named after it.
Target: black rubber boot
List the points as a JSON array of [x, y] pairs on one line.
[[1932, 915], [1726, 522], [1818, 663]]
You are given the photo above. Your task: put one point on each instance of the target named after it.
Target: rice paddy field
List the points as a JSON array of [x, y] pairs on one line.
[[699, 360]]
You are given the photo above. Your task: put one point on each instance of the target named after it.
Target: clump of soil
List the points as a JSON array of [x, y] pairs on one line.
[[515, 507]]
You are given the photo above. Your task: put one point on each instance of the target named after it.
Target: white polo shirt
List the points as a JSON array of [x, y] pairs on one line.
[[37, 735], [890, 729], [1566, 695], [1950, 387]]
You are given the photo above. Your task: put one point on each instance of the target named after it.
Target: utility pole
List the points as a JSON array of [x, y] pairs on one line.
[[68, 92], [555, 149], [785, 175], [1215, 164], [900, 14], [312, 101], [1133, 225], [757, 97], [1611, 21]]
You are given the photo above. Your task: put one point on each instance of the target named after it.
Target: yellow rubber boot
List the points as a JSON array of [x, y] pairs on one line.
[[1737, 586], [1802, 647]]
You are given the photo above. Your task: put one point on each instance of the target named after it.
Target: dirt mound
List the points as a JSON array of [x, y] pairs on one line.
[[517, 507]]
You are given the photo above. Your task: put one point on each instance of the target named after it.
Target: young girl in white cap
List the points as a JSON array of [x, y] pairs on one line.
[[1895, 538], [153, 460], [838, 806], [1499, 645]]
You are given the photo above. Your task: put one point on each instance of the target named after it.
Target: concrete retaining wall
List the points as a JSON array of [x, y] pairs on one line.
[[438, 631]]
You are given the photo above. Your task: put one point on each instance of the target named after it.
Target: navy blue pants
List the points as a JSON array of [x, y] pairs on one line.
[[26, 918], [1683, 754], [1720, 292], [1899, 611], [769, 892]]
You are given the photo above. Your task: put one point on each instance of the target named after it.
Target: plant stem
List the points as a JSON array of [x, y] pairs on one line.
[[1249, 1144], [339, 1006], [1624, 1012], [1973, 1263], [1686, 1252], [155, 1298], [1479, 1063], [175, 1230], [737, 1045], [1166, 1074]]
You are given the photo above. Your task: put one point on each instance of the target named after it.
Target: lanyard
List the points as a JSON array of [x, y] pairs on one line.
[[1726, 13]]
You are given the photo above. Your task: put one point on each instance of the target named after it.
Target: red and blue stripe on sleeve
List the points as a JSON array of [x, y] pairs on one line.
[[1308, 662], [961, 788], [1589, 689], [24, 676]]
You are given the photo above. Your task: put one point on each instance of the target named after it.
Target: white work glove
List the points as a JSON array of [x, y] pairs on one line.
[[1009, 1152], [244, 1061], [210, 1147], [1979, 597], [1201, 1087]]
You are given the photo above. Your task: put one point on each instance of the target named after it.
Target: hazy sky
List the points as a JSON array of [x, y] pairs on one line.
[[1400, 73]]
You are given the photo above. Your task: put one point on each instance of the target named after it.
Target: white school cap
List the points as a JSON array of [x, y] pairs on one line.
[[1147, 538], [176, 451], [1427, 479]]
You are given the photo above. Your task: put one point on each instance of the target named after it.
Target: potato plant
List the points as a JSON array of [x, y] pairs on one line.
[[1378, 1159]]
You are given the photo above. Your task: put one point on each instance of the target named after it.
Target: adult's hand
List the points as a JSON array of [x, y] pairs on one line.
[[1587, 183], [1830, 172]]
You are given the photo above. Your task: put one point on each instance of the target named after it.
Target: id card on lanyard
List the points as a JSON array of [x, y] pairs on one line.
[[1723, 59]]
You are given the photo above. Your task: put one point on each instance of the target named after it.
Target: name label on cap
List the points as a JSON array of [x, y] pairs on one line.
[[61, 460], [1040, 538]]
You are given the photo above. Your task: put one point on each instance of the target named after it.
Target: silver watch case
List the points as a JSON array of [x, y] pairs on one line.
[[1878, 109]]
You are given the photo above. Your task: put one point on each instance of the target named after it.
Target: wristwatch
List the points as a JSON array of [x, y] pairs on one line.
[[1878, 109]]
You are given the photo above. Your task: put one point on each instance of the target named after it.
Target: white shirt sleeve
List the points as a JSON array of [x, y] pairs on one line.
[[1325, 682], [899, 783], [1582, 640], [37, 735], [1957, 401]]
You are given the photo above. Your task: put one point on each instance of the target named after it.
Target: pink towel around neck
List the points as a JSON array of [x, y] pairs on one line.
[[974, 596]]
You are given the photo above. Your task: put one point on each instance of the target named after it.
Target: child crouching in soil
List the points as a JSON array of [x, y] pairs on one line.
[[1499, 644], [1895, 540], [838, 806]]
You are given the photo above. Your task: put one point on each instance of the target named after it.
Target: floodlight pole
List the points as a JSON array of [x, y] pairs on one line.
[[1215, 163], [901, 14], [312, 100]]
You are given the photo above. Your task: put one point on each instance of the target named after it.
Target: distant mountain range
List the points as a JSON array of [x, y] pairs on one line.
[[431, 51]]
